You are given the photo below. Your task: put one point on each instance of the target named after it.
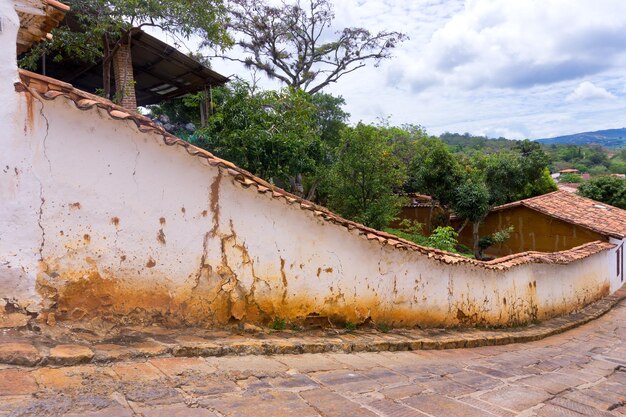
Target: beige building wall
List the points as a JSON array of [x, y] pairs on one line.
[[532, 231]]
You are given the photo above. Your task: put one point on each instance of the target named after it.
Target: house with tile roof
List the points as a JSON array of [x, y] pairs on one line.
[[554, 222], [107, 217]]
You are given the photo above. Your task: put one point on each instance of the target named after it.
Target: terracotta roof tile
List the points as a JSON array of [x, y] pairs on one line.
[[49, 89], [572, 208]]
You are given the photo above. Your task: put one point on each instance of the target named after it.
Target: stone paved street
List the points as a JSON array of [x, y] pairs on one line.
[[580, 372]]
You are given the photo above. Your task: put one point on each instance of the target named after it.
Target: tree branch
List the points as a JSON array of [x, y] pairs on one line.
[[283, 42]]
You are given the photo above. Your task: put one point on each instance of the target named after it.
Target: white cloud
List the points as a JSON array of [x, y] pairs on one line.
[[518, 44], [586, 91], [493, 67]]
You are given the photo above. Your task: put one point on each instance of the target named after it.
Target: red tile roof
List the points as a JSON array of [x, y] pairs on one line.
[[45, 88], [572, 208]]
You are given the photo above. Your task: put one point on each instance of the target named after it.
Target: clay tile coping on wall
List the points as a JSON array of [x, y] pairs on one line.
[[46, 88], [572, 208]]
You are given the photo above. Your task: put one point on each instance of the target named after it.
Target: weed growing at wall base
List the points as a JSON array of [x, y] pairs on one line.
[[278, 324]]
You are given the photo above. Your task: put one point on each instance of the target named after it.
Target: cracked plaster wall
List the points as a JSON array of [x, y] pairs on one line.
[[119, 226], [101, 221], [20, 234]]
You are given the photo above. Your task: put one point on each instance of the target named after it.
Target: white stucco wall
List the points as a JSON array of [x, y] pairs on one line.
[[99, 219], [130, 228], [19, 187]]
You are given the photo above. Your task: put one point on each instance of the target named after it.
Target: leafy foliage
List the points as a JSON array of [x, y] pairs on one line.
[[278, 324], [350, 326], [586, 158], [385, 328], [330, 117], [472, 201], [500, 236], [606, 189], [362, 181], [434, 170], [570, 178], [444, 238], [500, 178], [272, 134], [542, 185], [183, 109]]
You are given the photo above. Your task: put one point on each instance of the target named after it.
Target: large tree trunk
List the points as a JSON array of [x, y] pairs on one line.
[[476, 238], [313, 190], [296, 185], [463, 226]]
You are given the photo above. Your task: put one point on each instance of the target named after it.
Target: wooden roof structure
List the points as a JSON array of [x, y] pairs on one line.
[[37, 19], [161, 72]]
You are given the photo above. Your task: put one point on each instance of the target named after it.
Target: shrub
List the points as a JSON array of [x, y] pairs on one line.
[[278, 324], [350, 326]]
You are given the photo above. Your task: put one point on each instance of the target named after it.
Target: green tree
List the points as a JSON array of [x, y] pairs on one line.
[[542, 185], [407, 141], [444, 238], [486, 242], [362, 183], [494, 180], [570, 178], [434, 170], [295, 42], [606, 189], [272, 134], [330, 119], [472, 204]]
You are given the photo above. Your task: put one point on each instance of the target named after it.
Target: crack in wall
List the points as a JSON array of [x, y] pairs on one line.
[[135, 165], [283, 278], [40, 222], [227, 289], [214, 201], [45, 138], [202, 266]]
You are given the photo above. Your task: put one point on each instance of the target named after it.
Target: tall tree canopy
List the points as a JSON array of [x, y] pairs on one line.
[[434, 170], [293, 42], [497, 179], [365, 178], [272, 134]]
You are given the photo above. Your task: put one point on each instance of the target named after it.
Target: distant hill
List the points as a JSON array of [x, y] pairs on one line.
[[610, 138]]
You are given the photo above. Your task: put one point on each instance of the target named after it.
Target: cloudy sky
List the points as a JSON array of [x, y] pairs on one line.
[[512, 68]]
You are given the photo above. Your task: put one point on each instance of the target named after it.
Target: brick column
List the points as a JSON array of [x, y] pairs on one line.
[[124, 79]]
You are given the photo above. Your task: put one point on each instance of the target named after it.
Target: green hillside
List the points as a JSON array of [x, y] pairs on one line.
[[610, 138]]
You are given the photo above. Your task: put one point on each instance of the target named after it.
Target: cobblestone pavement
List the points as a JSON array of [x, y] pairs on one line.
[[580, 372]]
